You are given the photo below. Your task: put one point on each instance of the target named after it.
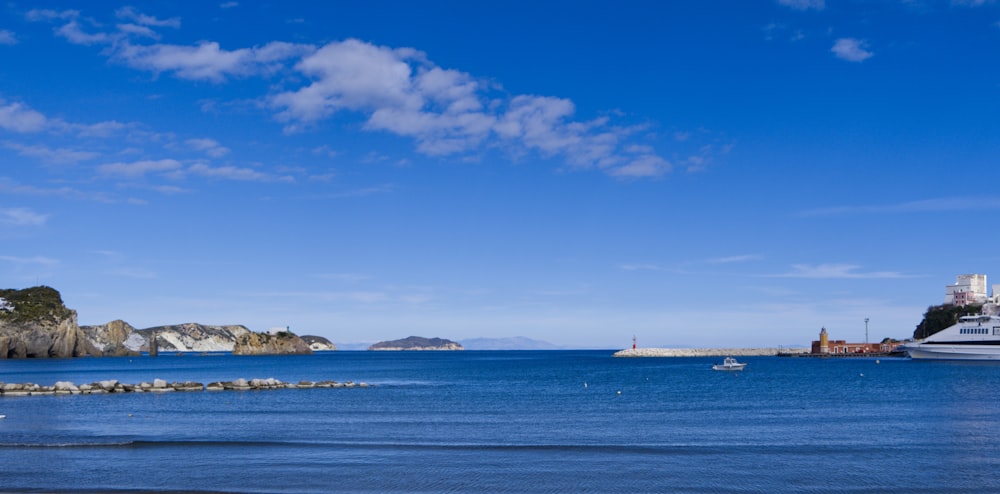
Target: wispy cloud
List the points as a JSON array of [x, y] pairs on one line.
[[804, 4], [836, 271], [51, 155], [22, 216], [945, 204], [208, 146], [139, 168], [17, 117], [852, 50], [8, 186], [207, 60], [136, 273], [7, 37], [345, 277], [735, 259], [129, 13], [640, 267], [237, 173], [46, 261]]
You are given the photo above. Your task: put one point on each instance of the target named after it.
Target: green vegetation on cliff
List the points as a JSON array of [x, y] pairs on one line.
[[39, 303], [939, 317]]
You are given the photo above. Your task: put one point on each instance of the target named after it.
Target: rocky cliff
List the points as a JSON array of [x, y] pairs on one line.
[[120, 338], [417, 343], [34, 323], [283, 342], [319, 343], [116, 338], [193, 337]]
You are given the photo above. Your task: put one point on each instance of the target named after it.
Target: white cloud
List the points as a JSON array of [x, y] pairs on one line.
[[851, 49], [100, 129], [137, 30], [22, 216], [208, 61], [7, 37], [643, 166], [130, 13], [19, 118], [50, 155], [36, 15], [351, 75], [236, 173], [397, 90], [8, 186], [75, 34], [804, 4], [210, 147], [139, 168], [446, 111]]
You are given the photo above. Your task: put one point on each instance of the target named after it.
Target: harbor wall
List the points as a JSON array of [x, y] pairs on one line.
[[709, 352]]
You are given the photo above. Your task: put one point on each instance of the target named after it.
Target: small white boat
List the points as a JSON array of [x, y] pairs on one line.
[[729, 364]]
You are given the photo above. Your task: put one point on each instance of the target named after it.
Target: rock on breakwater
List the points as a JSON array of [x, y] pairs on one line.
[[708, 352], [161, 386]]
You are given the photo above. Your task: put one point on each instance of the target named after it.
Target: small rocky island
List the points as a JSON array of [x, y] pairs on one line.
[[35, 323], [417, 343]]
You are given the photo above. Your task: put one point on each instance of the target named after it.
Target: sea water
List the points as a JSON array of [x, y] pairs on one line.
[[508, 421]]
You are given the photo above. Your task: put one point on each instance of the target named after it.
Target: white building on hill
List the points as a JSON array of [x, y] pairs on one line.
[[968, 289]]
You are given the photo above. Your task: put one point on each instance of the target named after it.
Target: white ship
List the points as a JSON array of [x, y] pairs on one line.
[[972, 338]]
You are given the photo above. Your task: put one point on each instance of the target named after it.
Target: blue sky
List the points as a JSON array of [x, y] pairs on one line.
[[698, 173]]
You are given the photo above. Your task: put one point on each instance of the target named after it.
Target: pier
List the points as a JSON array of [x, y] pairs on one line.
[[710, 352]]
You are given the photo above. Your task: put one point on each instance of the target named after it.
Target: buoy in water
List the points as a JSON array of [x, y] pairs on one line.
[[619, 392]]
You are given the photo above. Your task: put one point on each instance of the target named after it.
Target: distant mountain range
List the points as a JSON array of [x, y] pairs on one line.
[[512, 343]]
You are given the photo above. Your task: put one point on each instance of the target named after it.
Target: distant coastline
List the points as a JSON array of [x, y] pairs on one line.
[[710, 352]]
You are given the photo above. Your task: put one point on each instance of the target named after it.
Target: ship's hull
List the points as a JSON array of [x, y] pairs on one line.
[[945, 351]]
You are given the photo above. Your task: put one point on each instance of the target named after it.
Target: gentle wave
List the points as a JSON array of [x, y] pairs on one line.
[[653, 449]]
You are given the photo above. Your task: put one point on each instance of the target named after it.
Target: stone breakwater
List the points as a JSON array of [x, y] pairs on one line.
[[161, 386], [709, 352]]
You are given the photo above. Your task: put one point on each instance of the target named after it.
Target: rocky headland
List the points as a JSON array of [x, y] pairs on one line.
[[417, 343], [280, 343], [35, 323]]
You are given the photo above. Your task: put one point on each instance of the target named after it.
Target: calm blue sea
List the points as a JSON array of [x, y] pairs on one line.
[[508, 421]]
